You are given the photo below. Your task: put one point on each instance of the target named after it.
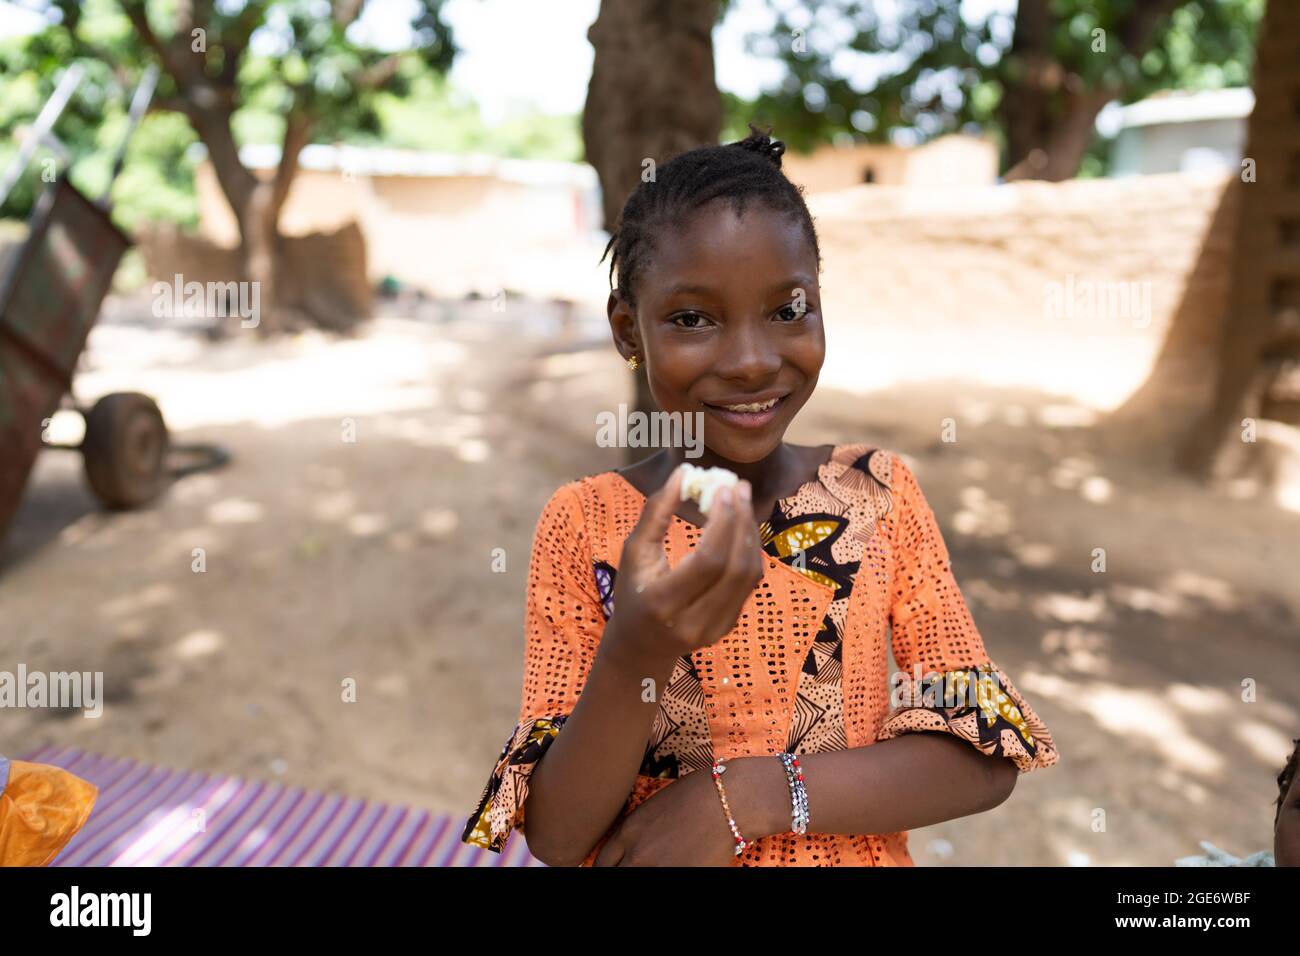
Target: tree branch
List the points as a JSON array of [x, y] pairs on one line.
[[169, 104], [235, 40], [135, 12], [1136, 29], [297, 133], [347, 11], [180, 69], [377, 74]]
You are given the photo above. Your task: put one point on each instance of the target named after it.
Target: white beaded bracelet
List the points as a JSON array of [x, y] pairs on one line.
[[798, 793]]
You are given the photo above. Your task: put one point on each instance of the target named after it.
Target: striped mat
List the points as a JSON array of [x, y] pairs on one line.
[[150, 816]]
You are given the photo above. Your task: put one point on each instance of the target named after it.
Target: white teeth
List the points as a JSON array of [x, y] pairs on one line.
[[752, 406]]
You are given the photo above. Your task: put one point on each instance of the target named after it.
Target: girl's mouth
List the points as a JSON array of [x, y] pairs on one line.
[[747, 414]]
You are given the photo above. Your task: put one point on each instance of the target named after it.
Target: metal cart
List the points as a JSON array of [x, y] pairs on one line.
[[50, 296]]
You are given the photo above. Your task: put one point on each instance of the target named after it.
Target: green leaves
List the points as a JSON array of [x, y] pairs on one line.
[[922, 67], [245, 63]]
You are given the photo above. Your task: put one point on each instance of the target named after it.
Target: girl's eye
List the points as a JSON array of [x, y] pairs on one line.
[[790, 314], [689, 320]]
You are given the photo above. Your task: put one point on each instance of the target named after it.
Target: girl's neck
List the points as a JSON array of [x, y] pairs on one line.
[[770, 477]]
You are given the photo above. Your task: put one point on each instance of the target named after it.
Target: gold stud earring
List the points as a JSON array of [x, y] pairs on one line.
[[634, 363]]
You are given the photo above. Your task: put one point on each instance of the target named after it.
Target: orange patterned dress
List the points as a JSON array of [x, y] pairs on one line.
[[853, 559]]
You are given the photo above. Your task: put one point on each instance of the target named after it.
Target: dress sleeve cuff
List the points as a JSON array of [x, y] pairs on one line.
[[981, 706], [501, 807]]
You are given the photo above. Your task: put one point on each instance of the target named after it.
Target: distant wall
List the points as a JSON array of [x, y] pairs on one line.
[[1075, 288], [978, 283], [947, 161], [326, 274], [449, 235]]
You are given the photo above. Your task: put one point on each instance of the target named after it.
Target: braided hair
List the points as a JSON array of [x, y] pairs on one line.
[[735, 173]]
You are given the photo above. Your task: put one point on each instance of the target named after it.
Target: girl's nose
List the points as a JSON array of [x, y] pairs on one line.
[[749, 356]]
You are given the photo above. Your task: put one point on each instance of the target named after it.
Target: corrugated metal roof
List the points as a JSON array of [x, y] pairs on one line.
[[1188, 107]]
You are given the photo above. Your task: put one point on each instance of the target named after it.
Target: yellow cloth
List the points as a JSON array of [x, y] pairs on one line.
[[41, 809]]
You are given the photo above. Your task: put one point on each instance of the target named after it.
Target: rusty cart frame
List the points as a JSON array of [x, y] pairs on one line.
[[50, 297]]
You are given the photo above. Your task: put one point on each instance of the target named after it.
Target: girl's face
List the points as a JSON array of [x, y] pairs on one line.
[[729, 314]]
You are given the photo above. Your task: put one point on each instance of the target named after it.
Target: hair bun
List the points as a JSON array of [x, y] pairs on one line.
[[761, 142]]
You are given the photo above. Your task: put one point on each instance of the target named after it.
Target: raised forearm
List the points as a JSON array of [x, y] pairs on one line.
[[580, 785], [911, 781]]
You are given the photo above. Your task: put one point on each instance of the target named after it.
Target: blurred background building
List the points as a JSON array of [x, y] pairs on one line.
[[1179, 131]]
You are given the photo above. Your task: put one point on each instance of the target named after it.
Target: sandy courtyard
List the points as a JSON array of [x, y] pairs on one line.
[[372, 559]]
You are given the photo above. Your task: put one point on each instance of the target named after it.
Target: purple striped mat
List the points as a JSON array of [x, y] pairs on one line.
[[150, 816]]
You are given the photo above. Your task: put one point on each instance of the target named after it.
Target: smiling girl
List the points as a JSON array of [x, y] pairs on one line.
[[717, 692]]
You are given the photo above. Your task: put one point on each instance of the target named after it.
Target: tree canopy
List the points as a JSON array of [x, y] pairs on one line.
[[915, 69], [283, 71]]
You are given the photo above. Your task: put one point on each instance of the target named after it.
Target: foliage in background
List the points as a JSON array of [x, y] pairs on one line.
[[435, 117], [1028, 79], [157, 183], [945, 74]]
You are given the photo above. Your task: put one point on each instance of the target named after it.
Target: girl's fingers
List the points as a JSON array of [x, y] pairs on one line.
[[648, 535], [669, 591], [702, 569], [709, 558], [743, 571]]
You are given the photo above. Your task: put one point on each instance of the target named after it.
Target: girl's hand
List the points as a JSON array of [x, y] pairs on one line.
[[662, 613], [681, 825]]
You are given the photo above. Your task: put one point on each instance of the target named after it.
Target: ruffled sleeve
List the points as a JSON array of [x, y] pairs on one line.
[[947, 681], [563, 622]]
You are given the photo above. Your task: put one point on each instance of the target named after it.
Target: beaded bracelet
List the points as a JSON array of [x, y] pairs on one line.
[[741, 842], [798, 794]]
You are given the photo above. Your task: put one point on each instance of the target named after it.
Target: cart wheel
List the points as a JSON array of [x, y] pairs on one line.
[[125, 449]]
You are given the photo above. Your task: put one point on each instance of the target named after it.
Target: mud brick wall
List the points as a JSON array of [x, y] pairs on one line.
[[325, 274], [930, 283]]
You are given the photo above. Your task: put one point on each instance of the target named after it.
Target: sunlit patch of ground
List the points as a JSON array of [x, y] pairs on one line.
[[375, 526]]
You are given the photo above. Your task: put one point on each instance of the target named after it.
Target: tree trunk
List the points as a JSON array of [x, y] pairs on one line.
[[1047, 113], [1266, 253], [257, 205], [208, 98], [1157, 417], [652, 96], [259, 249], [1031, 78], [1057, 155]]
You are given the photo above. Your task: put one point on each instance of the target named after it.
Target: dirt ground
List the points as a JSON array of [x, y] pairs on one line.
[[372, 559]]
